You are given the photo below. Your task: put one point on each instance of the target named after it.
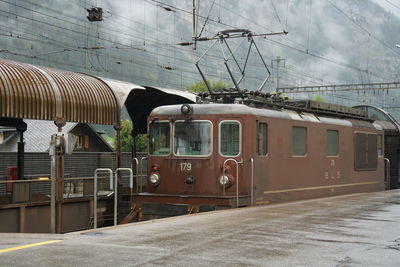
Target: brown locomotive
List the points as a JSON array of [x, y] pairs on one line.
[[229, 155]]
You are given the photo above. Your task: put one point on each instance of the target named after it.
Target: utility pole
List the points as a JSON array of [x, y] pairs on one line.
[[278, 61], [196, 7]]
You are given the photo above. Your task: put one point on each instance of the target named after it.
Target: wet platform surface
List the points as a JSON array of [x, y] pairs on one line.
[[353, 230]]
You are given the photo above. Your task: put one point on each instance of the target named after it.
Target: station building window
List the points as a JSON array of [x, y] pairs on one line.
[[82, 142], [332, 142], [262, 134], [229, 138], [299, 141], [366, 151]]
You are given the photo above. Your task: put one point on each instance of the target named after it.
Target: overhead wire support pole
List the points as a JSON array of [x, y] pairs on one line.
[[196, 4], [278, 62]]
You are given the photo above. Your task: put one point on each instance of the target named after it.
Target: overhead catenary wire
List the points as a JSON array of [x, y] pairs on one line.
[[319, 56], [298, 49], [277, 15], [309, 26], [392, 4], [156, 43], [383, 43], [208, 16]]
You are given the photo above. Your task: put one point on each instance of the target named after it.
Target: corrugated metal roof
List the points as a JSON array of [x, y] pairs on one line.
[[31, 92]]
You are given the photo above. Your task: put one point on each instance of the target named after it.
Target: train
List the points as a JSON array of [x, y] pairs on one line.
[[226, 155]]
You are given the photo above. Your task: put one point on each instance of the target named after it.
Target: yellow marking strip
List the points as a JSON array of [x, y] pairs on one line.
[[317, 187], [29, 246], [262, 202]]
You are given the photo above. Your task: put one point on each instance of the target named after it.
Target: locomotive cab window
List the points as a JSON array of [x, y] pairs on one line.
[[366, 151], [192, 138], [159, 138], [332, 142], [262, 139], [299, 141], [229, 138]]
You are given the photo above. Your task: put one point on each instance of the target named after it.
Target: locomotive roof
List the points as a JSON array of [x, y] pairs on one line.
[[233, 109]]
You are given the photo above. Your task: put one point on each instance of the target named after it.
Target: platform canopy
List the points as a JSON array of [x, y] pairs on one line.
[[31, 92]]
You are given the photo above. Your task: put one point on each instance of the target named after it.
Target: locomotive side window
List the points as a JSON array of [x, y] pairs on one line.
[[262, 139], [366, 151], [299, 141], [192, 138], [332, 141], [159, 138], [229, 138]]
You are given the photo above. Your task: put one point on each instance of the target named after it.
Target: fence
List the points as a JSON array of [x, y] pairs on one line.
[[76, 165]]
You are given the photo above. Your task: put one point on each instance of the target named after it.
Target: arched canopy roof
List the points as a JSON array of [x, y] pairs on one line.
[[381, 117], [32, 92], [141, 102]]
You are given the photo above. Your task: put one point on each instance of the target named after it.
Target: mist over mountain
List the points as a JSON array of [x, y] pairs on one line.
[[329, 42]]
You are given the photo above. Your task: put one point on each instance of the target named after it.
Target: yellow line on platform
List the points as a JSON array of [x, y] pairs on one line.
[[317, 187], [29, 246]]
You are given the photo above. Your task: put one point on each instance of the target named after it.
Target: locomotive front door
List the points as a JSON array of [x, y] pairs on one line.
[[260, 164], [230, 149]]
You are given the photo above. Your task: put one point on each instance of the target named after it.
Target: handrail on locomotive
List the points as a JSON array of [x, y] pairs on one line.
[[237, 177]]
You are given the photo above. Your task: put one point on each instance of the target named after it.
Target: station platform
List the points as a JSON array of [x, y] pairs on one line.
[[352, 230]]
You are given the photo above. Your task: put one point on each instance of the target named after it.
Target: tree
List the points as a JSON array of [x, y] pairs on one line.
[[200, 86], [126, 138], [318, 98]]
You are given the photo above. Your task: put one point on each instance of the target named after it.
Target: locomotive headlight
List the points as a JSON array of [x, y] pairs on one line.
[[186, 109], [154, 179], [224, 180]]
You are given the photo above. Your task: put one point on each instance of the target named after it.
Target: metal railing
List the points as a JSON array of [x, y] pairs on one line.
[[38, 190], [95, 191], [116, 189], [387, 173], [139, 168]]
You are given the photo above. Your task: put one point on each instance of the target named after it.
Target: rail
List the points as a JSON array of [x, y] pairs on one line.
[[116, 189], [137, 166], [387, 173], [95, 191], [237, 177], [141, 168]]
